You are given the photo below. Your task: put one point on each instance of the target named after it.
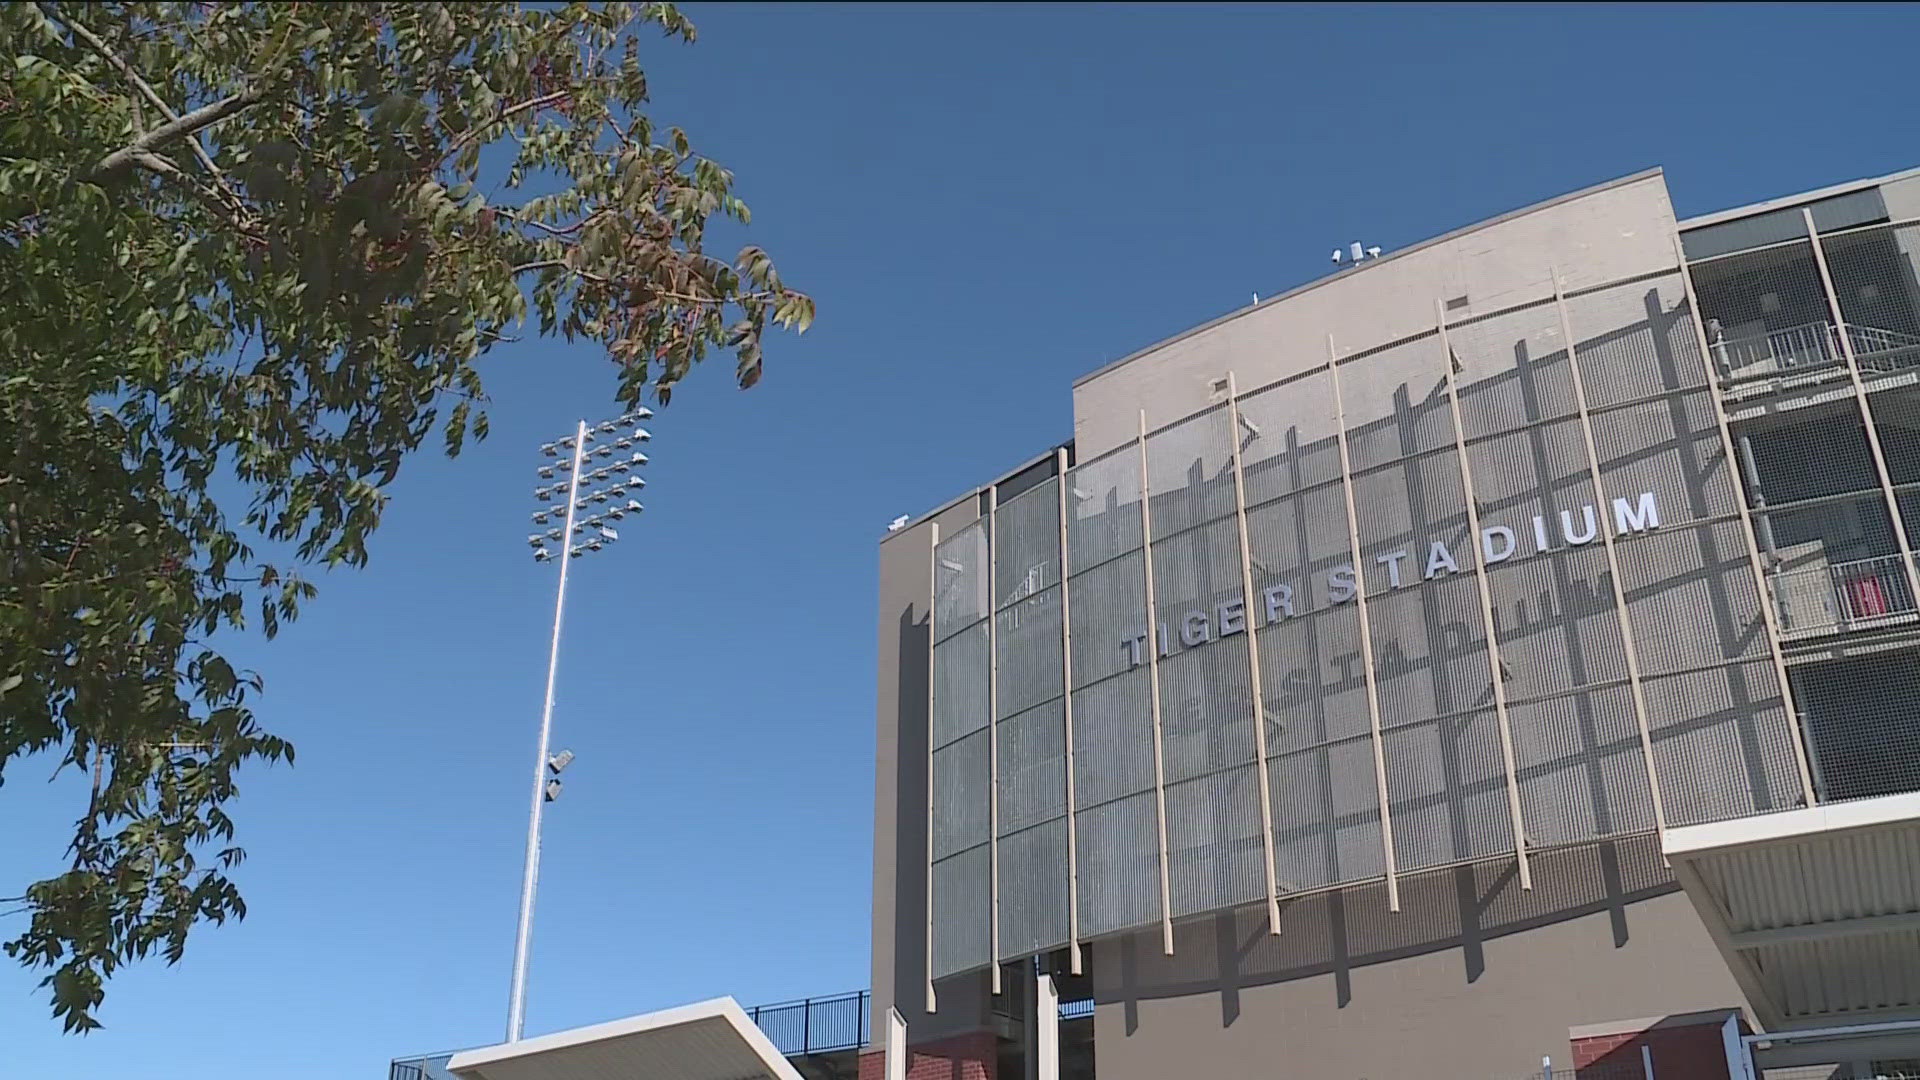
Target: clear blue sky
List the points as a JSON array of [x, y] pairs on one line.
[[986, 202]]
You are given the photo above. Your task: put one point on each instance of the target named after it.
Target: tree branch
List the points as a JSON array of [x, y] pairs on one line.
[[503, 116], [176, 126]]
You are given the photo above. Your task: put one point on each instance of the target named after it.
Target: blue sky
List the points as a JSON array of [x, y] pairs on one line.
[[986, 202]]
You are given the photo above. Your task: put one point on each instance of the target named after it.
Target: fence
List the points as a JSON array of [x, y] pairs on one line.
[[1813, 346], [815, 1025], [1844, 596]]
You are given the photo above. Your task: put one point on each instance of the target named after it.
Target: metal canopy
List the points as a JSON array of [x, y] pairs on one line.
[[711, 1040], [1816, 911]]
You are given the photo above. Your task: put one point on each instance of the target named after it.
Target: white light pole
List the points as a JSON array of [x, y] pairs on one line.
[[618, 475]]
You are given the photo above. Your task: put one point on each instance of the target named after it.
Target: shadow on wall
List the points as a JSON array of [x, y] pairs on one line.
[[1336, 932]]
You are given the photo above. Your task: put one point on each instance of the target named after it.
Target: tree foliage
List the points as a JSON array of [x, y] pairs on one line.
[[251, 251]]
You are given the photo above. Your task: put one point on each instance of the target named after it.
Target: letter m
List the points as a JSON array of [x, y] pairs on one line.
[[1628, 518]]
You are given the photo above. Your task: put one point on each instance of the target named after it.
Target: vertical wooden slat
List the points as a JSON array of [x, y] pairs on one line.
[[1495, 667], [1153, 683], [1366, 634], [1613, 564], [1253, 658], [1066, 702]]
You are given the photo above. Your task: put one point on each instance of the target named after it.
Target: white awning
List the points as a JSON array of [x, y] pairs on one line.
[[1816, 911], [712, 1040]]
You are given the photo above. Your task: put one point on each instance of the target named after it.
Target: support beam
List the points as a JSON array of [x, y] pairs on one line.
[[933, 604], [1153, 684], [1046, 1033], [993, 736], [1366, 635], [1066, 704], [1477, 542], [1253, 658], [896, 1045], [1826, 931], [1607, 524]]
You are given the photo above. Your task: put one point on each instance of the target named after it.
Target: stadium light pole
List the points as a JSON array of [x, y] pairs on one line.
[[606, 473]]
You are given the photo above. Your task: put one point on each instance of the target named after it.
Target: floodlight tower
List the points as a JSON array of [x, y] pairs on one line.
[[601, 467]]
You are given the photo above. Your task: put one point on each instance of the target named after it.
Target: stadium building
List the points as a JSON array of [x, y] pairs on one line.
[[1501, 654]]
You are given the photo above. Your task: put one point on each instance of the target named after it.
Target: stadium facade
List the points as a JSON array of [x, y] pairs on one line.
[[1503, 649]]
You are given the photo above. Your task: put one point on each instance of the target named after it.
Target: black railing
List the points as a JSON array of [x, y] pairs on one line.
[[815, 1025]]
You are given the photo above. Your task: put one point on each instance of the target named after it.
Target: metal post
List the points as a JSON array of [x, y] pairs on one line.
[[1607, 524], [1866, 410], [1066, 704], [993, 734], [1253, 658], [1046, 1020], [1763, 524], [1153, 686], [1494, 664], [1366, 634], [933, 604], [1765, 594], [896, 1046], [530, 878]]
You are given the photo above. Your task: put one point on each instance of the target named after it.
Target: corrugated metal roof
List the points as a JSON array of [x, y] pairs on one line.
[[1817, 910]]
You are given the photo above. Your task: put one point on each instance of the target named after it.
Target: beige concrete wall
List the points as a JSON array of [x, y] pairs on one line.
[[1472, 980], [1604, 234]]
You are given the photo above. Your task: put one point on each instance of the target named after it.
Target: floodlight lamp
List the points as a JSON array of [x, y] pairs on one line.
[[552, 790], [539, 517], [603, 451], [607, 427], [633, 506], [542, 555], [534, 540], [545, 471], [543, 494], [594, 544], [565, 444], [560, 761], [620, 466], [641, 413], [554, 533], [564, 465], [599, 496], [576, 552], [638, 459], [550, 449], [617, 513], [609, 533], [579, 527], [641, 434]]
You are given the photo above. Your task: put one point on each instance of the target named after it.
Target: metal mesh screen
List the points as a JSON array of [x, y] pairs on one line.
[[1286, 438], [1027, 542], [1033, 889], [1513, 369], [1033, 779], [962, 910], [1206, 693], [1765, 313], [1119, 865], [1448, 789], [1190, 472], [1721, 743], [1027, 644], [1112, 739], [960, 678], [1698, 577], [1103, 509], [1582, 771], [960, 580], [1214, 851], [1636, 341], [1876, 284], [1396, 402], [960, 795], [1862, 717], [1326, 814], [1669, 447]]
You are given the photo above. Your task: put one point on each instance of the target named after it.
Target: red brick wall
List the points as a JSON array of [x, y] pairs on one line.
[[1680, 1052], [963, 1057]]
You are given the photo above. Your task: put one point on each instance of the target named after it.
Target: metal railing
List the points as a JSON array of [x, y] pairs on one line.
[[815, 1025], [1076, 1010], [1813, 346], [1842, 596]]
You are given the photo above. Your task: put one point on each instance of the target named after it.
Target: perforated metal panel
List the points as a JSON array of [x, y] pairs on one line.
[[960, 581], [1636, 340], [1287, 437], [1033, 889], [1112, 739], [1582, 771], [962, 899], [1214, 851], [1326, 817], [1033, 779], [1448, 788], [1513, 369], [1119, 865], [1027, 542], [959, 795], [1027, 640], [960, 684], [1103, 509], [1721, 743], [1190, 472], [1206, 695]]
